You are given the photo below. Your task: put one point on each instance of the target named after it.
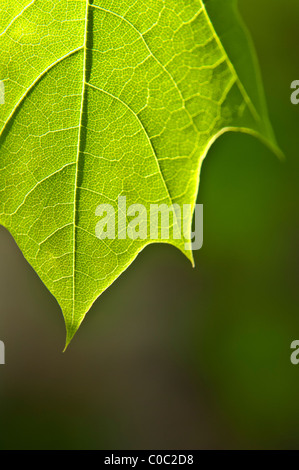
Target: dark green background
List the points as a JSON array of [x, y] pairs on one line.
[[170, 356]]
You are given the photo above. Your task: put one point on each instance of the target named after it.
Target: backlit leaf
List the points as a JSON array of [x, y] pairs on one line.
[[107, 99]]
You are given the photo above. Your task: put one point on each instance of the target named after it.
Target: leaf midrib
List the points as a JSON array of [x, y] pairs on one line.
[[78, 155]]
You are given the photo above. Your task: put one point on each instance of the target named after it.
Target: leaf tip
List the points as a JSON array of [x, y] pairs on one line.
[[68, 340], [71, 330]]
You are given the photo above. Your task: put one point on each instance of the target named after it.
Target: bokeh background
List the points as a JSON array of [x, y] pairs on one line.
[[172, 357]]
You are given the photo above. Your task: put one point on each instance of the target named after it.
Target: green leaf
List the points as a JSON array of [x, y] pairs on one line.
[[107, 99]]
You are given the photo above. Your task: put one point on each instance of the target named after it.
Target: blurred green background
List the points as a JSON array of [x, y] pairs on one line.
[[170, 356]]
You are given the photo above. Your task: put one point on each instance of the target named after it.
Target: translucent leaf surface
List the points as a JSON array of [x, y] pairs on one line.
[[107, 99]]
